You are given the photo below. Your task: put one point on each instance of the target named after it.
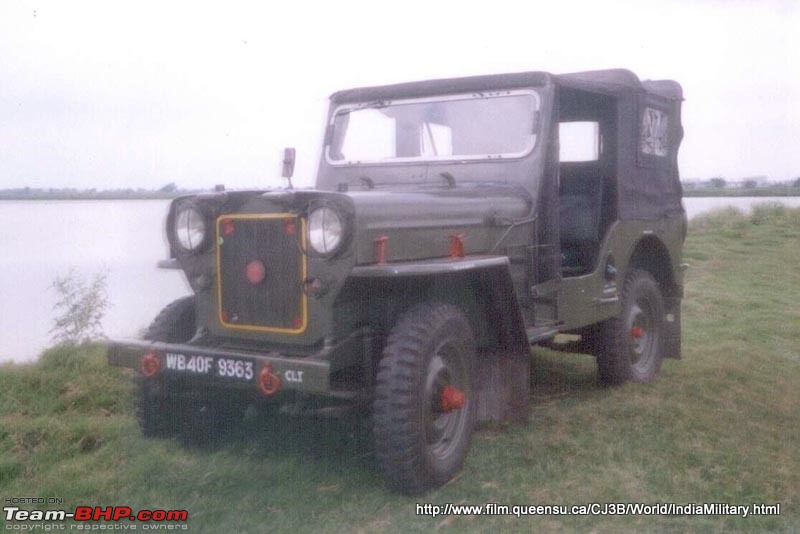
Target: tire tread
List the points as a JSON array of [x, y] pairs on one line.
[[613, 364], [396, 430]]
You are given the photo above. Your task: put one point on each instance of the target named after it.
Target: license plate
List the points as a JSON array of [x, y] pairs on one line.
[[212, 366]]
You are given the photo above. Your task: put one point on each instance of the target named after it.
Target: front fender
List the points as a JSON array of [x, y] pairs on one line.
[[480, 285]]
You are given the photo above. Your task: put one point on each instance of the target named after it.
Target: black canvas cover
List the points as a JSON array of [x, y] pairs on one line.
[[649, 126], [650, 131]]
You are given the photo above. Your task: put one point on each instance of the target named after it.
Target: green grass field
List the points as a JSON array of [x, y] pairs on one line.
[[772, 191], [720, 426]]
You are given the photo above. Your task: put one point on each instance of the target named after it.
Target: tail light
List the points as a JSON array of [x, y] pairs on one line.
[[150, 364]]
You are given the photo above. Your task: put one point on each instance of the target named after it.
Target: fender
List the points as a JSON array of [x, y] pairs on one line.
[[503, 367], [443, 277]]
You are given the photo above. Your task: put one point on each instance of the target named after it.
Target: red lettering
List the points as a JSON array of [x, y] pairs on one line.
[[121, 512], [117, 513], [177, 515], [100, 513], [83, 513]]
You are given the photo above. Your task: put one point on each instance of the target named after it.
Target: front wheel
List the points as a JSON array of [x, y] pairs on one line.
[[424, 408], [158, 406], [166, 407], [632, 344]]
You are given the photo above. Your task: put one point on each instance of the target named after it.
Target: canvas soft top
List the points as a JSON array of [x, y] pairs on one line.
[[648, 185], [612, 81]]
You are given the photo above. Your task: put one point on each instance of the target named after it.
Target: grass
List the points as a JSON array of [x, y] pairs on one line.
[[771, 191], [721, 426]]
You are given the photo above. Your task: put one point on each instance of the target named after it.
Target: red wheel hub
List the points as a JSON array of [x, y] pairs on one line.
[[637, 332], [451, 398]]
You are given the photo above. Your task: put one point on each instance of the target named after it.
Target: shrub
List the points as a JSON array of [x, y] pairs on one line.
[[79, 309], [768, 212]]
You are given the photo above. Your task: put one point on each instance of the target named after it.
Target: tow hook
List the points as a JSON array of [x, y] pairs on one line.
[[268, 382]]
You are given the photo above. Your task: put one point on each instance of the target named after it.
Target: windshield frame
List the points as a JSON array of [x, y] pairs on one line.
[[475, 95]]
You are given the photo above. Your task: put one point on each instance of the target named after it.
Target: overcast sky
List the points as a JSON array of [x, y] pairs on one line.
[[138, 94]]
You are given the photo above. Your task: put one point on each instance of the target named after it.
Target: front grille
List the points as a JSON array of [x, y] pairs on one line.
[[277, 303]]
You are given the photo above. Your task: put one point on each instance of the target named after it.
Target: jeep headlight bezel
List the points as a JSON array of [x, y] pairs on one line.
[[189, 228], [327, 230]]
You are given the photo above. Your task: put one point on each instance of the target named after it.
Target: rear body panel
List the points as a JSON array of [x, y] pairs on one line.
[[591, 298]]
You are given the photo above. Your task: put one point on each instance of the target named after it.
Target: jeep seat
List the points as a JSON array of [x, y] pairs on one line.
[[581, 195]]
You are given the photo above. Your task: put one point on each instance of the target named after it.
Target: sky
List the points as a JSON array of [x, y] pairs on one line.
[[118, 94]]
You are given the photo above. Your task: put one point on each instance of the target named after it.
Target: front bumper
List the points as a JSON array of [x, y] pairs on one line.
[[310, 374]]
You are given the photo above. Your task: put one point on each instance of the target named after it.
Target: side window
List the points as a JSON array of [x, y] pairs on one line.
[[654, 134], [579, 141]]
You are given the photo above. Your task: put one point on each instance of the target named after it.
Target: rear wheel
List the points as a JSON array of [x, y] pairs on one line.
[[632, 344], [425, 405]]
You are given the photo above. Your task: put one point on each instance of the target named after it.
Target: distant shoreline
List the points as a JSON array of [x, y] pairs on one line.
[[100, 195], [159, 195], [78, 197]]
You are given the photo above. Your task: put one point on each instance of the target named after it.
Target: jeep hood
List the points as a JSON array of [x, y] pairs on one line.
[[418, 222]]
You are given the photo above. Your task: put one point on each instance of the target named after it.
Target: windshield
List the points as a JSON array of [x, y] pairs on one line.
[[474, 126]]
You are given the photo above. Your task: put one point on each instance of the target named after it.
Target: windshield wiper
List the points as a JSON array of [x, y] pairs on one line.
[[375, 104]]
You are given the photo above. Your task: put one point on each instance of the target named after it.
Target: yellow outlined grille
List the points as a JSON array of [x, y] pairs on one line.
[[303, 274]]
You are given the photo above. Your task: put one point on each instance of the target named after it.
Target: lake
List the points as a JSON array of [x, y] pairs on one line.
[[46, 239]]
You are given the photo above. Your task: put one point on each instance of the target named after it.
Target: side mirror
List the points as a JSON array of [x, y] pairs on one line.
[[288, 162]]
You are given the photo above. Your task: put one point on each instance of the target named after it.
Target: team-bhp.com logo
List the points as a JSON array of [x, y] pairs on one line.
[[96, 513]]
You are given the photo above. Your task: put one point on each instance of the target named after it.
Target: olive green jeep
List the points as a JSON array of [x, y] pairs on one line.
[[454, 224]]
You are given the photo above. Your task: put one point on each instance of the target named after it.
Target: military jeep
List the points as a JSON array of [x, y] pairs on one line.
[[454, 224]]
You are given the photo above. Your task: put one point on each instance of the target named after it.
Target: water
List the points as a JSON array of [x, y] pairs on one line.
[[43, 239]]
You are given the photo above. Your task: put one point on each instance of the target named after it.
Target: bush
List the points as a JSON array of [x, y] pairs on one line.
[[727, 218], [768, 212], [731, 222], [80, 308]]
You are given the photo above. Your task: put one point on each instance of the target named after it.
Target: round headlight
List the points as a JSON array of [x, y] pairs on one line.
[[325, 230], [190, 227]]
